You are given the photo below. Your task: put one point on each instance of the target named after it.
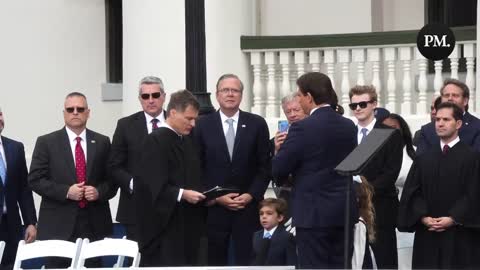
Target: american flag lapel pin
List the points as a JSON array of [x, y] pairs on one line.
[[244, 125], [92, 141]]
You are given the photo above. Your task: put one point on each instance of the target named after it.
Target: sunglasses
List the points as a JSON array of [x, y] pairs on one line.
[[72, 109], [147, 96], [362, 104]]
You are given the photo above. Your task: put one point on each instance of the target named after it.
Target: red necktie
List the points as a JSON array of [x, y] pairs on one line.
[[154, 123], [445, 149], [80, 168]]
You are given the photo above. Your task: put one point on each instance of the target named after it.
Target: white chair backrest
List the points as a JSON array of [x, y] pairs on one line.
[[2, 248], [109, 247], [48, 248]]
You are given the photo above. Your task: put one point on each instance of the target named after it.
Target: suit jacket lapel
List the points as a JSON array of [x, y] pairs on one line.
[[241, 129], [141, 124], [65, 151], [91, 151], [7, 148]]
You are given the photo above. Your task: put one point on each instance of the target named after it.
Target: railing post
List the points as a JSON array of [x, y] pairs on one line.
[[437, 79], [390, 57], [373, 55], [454, 62], [469, 54], [406, 57], [343, 57], [285, 61], [329, 57], [422, 83], [358, 56], [271, 60], [300, 60], [257, 61], [315, 58]]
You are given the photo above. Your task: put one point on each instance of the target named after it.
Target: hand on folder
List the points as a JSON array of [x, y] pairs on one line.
[[192, 196]]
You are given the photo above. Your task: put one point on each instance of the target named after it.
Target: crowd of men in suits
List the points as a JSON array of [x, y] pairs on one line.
[[162, 159]]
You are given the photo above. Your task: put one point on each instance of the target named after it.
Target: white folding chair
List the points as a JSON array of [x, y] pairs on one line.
[[2, 248], [48, 248], [109, 247]]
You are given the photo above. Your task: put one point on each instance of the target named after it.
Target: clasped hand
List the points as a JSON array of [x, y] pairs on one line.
[[439, 224], [80, 191], [234, 201]]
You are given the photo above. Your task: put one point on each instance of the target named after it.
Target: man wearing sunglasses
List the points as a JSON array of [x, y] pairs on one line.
[[456, 92], [69, 172], [126, 144], [14, 195], [382, 173]]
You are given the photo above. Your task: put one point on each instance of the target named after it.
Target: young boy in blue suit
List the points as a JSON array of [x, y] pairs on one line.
[[273, 245]]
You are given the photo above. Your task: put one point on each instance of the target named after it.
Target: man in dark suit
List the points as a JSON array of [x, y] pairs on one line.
[[171, 214], [457, 92], [313, 148], [382, 173], [69, 171], [127, 142], [14, 193], [234, 149]]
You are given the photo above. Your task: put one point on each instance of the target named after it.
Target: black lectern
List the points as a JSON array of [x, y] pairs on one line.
[[354, 164]]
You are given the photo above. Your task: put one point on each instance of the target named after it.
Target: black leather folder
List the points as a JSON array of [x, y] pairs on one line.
[[218, 191]]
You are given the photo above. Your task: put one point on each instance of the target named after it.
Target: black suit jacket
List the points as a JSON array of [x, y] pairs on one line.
[[469, 133], [280, 251], [52, 172], [382, 173], [127, 141], [16, 190], [313, 148]]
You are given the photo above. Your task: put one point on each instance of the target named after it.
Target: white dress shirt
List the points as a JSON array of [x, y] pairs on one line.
[[450, 144], [271, 231], [224, 118], [369, 128], [149, 118], [72, 138]]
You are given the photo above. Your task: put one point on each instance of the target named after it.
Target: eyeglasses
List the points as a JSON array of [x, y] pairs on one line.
[[72, 109], [230, 90], [154, 95], [362, 104]]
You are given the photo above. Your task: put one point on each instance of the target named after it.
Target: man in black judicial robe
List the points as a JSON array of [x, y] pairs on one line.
[[171, 214], [440, 199]]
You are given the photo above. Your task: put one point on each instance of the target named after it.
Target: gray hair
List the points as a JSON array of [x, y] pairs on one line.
[[229, 76], [289, 98], [150, 80]]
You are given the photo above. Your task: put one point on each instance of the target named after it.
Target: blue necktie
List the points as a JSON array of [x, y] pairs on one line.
[[267, 235], [364, 134], [3, 170]]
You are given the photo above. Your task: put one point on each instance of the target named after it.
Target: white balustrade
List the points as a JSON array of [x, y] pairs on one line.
[[405, 91]]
